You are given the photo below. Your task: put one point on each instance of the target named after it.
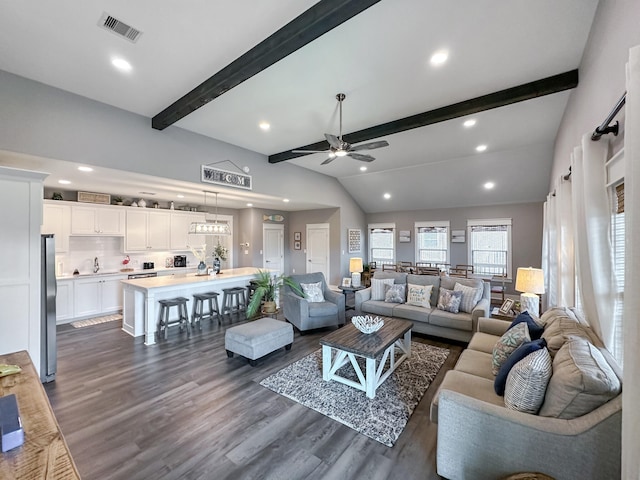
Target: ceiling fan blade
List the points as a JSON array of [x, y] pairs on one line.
[[333, 140], [361, 157], [328, 160], [308, 151], [370, 145]]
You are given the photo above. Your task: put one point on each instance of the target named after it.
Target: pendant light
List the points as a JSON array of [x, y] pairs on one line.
[[210, 228]]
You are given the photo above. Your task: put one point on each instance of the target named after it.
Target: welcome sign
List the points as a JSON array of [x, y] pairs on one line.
[[226, 178]]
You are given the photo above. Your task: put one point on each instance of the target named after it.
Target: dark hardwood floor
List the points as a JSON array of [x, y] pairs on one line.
[[182, 410]]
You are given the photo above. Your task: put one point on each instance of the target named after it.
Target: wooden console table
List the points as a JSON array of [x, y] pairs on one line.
[[44, 454]]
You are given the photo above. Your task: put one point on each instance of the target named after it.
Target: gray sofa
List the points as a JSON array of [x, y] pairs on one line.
[[305, 315], [480, 438], [430, 321]]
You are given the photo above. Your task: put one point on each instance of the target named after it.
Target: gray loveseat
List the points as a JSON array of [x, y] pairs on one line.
[[480, 438], [431, 321], [306, 315]]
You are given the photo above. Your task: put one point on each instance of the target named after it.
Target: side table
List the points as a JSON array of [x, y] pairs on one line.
[[495, 313], [345, 291]]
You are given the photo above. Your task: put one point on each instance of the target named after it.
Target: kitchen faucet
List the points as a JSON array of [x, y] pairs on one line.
[[96, 265]]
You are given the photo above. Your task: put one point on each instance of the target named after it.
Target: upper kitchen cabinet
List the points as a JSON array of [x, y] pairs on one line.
[[147, 230], [180, 222], [56, 219], [97, 220]]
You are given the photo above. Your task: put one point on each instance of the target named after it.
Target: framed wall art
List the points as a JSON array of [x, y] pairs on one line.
[[297, 245], [297, 236], [404, 236], [354, 238]]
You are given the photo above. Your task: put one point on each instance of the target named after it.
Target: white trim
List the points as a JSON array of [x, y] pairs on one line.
[[488, 222], [381, 225], [438, 223], [615, 169]]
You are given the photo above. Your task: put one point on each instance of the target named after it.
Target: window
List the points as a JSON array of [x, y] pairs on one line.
[[432, 242], [381, 243], [617, 243], [490, 246]]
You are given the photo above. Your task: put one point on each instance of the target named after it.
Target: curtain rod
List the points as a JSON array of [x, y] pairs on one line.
[[604, 127]]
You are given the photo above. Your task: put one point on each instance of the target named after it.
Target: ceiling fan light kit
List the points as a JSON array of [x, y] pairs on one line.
[[339, 148]]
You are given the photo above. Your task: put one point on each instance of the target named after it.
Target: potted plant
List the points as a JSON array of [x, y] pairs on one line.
[[267, 285], [56, 196], [117, 200]]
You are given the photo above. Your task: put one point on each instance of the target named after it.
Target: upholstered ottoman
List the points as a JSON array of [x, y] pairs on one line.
[[256, 339]]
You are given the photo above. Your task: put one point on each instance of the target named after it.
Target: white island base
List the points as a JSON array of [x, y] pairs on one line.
[[140, 303]]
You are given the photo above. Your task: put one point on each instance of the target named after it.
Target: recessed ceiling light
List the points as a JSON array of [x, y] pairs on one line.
[[285, 200], [180, 195], [64, 182], [249, 204], [387, 196], [481, 148], [489, 185], [439, 58], [121, 64], [363, 169], [85, 169], [264, 126], [469, 123]]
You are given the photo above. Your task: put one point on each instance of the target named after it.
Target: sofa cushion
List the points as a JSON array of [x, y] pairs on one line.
[[322, 309], [459, 321], [527, 382], [378, 307], [470, 296], [476, 363], [483, 342], [518, 354], [398, 277], [449, 300], [313, 291], [504, 347], [450, 282], [394, 293], [582, 380], [535, 329], [556, 333], [377, 287], [426, 280], [419, 295]]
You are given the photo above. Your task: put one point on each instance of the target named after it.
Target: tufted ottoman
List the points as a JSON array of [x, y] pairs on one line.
[[256, 339]]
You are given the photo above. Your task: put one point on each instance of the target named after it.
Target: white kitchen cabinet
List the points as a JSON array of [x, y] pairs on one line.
[[147, 230], [97, 295], [111, 294], [180, 238], [97, 220], [64, 301], [56, 219]]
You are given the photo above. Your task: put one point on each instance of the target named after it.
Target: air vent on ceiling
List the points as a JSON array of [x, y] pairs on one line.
[[119, 28]]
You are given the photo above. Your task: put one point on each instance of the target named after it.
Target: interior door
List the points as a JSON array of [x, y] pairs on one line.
[[273, 247], [318, 249]]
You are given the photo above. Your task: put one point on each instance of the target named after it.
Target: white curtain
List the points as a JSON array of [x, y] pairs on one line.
[[631, 326], [592, 241], [557, 255]]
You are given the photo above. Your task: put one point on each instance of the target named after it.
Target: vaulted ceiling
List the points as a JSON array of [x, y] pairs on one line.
[[271, 62]]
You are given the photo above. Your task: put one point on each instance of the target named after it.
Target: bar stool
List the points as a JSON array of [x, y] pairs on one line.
[[198, 314], [250, 289], [183, 317], [233, 295]]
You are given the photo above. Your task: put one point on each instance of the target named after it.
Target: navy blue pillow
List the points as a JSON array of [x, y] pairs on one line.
[[535, 330], [517, 355]]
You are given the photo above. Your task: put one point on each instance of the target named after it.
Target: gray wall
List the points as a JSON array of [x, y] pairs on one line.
[[526, 230]]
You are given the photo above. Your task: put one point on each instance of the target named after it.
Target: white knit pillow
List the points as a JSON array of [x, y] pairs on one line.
[[527, 382], [377, 287]]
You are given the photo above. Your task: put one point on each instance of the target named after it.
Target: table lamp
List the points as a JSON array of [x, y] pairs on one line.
[[530, 281], [355, 267]]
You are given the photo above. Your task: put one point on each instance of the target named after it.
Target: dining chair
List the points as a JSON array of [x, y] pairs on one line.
[[389, 267], [459, 272]]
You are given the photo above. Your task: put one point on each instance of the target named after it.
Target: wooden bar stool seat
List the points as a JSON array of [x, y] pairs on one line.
[[164, 322], [233, 300], [198, 314]]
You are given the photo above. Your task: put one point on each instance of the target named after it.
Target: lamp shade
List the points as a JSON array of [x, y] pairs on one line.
[[530, 280], [355, 264]]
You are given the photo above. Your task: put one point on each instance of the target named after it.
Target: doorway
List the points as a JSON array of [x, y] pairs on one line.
[[318, 248], [273, 247]]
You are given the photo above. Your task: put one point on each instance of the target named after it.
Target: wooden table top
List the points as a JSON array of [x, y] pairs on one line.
[[352, 340], [44, 454]]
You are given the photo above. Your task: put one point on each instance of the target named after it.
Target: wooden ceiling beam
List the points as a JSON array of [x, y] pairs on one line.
[[527, 91], [313, 23]]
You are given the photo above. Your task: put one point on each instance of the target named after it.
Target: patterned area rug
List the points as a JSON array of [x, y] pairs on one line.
[[382, 418], [96, 320]]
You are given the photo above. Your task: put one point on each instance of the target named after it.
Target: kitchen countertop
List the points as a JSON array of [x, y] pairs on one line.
[[189, 278], [70, 276]]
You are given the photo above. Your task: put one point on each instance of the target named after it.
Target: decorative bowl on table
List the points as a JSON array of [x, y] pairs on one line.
[[367, 323]]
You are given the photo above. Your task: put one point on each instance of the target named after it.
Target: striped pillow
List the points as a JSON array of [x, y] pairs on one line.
[[527, 382], [470, 297], [377, 287]]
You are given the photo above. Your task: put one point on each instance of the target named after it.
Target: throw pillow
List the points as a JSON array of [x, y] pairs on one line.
[[535, 330], [527, 382], [419, 295], [561, 329], [449, 300], [313, 291], [470, 297], [394, 293], [582, 380], [377, 287], [518, 354], [511, 340]]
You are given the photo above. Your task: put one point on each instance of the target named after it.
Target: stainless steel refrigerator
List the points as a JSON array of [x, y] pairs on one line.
[[48, 347]]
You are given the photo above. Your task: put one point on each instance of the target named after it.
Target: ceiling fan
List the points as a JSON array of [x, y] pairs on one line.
[[340, 148]]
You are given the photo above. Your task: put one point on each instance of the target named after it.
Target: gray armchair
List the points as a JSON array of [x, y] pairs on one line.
[[307, 315]]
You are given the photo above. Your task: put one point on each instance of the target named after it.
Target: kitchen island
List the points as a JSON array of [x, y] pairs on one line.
[[140, 303]]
